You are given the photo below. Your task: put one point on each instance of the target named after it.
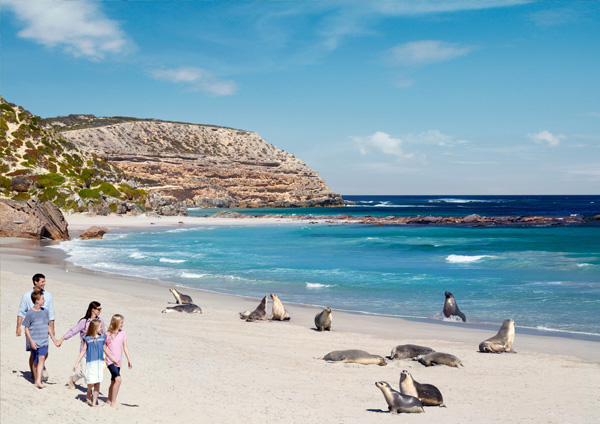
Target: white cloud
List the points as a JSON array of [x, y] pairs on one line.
[[383, 143], [79, 27], [425, 52], [546, 137], [197, 79], [435, 137]]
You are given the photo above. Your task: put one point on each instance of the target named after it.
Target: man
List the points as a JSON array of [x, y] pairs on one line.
[[39, 282]]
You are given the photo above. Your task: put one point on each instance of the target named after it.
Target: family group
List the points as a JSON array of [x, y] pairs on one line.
[[36, 314]]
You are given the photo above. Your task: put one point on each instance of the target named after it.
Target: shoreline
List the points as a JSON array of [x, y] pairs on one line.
[[196, 364]]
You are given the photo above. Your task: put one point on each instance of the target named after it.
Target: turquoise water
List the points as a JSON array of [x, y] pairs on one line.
[[545, 278]]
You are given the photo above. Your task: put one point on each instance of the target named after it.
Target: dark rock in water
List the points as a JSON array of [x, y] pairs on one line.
[[471, 218], [32, 219], [94, 232]]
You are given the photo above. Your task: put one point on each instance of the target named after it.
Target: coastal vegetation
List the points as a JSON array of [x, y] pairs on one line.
[[37, 162]]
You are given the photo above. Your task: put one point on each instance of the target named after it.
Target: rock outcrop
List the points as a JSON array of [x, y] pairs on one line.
[[32, 219], [199, 165], [94, 232]]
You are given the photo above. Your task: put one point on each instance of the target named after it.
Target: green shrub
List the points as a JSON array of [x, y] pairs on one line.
[[50, 180], [21, 196], [46, 194], [5, 182], [113, 207], [110, 190], [86, 176], [88, 193]]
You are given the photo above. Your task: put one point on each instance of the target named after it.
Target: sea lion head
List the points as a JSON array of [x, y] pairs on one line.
[[404, 375], [383, 385], [327, 310], [382, 361], [274, 296]]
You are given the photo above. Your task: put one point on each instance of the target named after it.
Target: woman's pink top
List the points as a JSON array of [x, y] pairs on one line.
[[114, 344]]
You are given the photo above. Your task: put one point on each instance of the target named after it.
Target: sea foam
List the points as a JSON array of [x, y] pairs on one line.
[[172, 261], [465, 259]]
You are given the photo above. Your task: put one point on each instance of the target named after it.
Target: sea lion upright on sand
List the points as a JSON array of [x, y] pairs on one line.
[[428, 394], [397, 402], [409, 351], [260, 313], [279, 312], [451, 308], [501, 342], [323, 319], [180, 297], [354, 356]]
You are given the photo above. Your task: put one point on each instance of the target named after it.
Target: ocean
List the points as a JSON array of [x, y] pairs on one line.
[[546, 278]]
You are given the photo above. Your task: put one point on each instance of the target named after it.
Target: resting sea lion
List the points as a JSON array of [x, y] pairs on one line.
[[409, 351], [501, 342], [397, 402], [323, 319], [190, 308], [439, 358], [355, 356], [260, 313], [180, 297], [451, 308], [428, 394], [279, 312]]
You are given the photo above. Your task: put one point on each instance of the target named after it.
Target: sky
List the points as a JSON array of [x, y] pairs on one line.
[[379, 97]]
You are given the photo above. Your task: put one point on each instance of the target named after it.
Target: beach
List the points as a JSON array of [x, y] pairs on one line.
[[217, 368]]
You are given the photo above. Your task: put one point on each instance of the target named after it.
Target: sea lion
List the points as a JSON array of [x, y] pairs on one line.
[[279, 313], [439, 358], [451, 308], [355, 356], [501, 342], [323, 319], [260, 313], [190, 308], [397, 402], [180, 297], [409, 351], [428, 394]]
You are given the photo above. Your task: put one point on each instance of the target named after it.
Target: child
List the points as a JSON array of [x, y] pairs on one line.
[[116, 343], [37, 327], [93, 348]]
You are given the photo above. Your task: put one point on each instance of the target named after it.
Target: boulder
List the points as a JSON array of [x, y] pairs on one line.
[[93, 232], [21, 184], [32, 219], [469, 219]]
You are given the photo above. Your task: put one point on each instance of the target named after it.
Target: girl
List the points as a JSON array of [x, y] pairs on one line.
[[81, 328], [116, 343], [94, 348]]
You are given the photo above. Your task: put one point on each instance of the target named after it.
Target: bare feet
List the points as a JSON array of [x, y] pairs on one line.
[[89, 402], [71, 383], [40, 386], [116, 405]]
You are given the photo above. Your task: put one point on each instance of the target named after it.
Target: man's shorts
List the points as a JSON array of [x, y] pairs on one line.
[[40, 351], [114, 371]]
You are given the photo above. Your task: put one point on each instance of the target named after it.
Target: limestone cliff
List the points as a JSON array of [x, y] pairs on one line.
[[199, 165]]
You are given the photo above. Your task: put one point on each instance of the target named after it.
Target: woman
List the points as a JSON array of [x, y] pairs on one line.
[[93, 313]]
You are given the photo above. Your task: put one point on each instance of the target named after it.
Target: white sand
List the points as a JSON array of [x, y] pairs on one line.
[[216, 368]]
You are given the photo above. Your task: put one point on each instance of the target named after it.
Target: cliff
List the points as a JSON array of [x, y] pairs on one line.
[[199, 165]]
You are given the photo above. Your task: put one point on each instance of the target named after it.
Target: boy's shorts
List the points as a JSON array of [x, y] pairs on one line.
[[40, 351], [114, 371]]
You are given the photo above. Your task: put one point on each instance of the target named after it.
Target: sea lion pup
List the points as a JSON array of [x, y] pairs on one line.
[[409, 351], [439, 358], [260, 313], [180, 297], [501, 342], [428, 394], [397, 402], [279, 312], [190, 308], [323, 319], [451, 308], [355, 356]]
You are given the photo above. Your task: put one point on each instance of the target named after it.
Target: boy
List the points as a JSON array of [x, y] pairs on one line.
[[37, 327]]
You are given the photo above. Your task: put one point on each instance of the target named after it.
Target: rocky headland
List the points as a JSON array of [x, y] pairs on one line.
[[199, 165]]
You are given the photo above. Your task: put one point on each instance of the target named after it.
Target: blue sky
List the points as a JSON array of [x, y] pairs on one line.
[[391, 97]]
